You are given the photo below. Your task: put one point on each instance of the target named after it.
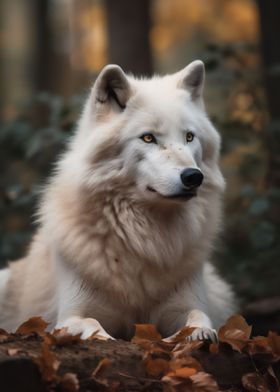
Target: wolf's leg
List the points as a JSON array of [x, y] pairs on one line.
[[4, 278], [203, 327], [85, 326], [202, 324], [5, 275], [188, 306], [73, 305]]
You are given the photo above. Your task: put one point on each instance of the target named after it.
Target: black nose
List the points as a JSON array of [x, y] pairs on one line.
[[191, 178]]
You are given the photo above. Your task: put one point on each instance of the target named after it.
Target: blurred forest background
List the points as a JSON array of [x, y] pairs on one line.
[[51, 50]]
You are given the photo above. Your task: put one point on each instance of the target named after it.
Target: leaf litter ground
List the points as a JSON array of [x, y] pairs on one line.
[[66, 363]]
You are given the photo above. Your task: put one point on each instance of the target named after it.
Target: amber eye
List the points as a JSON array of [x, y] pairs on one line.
[[148, 138], [189, 137]]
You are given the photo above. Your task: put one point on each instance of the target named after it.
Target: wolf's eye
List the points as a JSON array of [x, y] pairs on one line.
[[148, 138], [189, 137]]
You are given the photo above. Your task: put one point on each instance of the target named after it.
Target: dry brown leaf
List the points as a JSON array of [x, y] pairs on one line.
[[34, 324], [99, 371], [47, 362], [259, 344], [214, 348], [148, 338], [62, 337], [156, 367], [257, 382], [4, 336], [254, 382], [175, 384], [102, 365], [183, 372], [69, 383], [204, 382], [273, 339], [146, 332], [186, 348], [186, 361], [235, 338], [179, 379], [181, 335], [13, 351], [237, 322], [236, 332], [272, 380]]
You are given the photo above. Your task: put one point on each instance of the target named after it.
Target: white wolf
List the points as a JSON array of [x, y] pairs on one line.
[[128, 221]]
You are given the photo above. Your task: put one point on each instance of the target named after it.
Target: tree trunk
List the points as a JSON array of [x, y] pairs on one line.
[[51, 67], [128, 31], [43, 69]]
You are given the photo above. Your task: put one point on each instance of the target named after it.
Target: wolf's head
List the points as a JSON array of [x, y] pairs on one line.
[[148, 138]]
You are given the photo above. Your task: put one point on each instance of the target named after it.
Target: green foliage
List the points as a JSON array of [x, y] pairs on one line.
[[251, 253], [29, 148]]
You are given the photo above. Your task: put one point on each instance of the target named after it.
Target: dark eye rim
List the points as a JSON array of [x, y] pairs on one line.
[[154, 140], [192, 136]]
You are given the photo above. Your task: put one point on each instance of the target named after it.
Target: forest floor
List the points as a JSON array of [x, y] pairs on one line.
[[32, 360]]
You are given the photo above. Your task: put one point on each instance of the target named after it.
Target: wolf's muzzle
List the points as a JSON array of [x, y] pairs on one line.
[[191, 178]]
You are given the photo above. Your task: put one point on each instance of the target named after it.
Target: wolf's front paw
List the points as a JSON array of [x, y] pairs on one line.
[[204, 334], [84, 326]]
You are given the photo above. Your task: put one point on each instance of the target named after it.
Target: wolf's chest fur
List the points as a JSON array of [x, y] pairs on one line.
[[142, 262]]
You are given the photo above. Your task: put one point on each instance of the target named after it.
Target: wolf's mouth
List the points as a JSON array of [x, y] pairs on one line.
[[185, 194]]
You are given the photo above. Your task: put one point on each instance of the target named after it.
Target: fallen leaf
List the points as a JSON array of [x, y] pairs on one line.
[[271, 380], [148, 338], [185, 361], [177, 384], [102, 365], [254, 382], [69, 383], [99, 371], [181, 335], [236, 332], [47, 362], [214, 348], [156, 367], [273, 339], [259, 347], [186, 348], [4, 336], [13, 351], [62, 337], [204, 382], [34, 324], [237, 322], [179, 379], [146, 332], [184, 372]]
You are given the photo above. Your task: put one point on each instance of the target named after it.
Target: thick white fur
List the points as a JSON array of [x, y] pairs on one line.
[[109, 253]]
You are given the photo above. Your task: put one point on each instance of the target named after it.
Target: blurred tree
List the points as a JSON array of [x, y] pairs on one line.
[[51, 65], [128, 33], [269, 12], [42, 45]]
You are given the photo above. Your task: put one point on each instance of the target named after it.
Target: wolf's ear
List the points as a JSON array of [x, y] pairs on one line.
[[192, 79], [112, 87]]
